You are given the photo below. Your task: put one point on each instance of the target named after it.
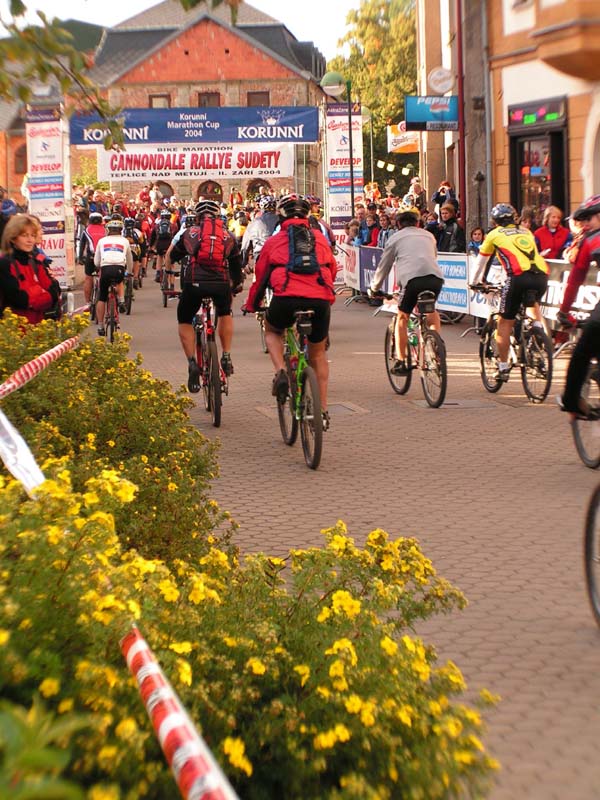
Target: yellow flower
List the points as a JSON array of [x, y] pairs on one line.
[[54, 534], [90, 498], [235, 750], [185, 671], [144, 459], [110, 443], [367, 717], [405, 715], [353, 704], [104, 792], [106, 756], [172, 487], [327, 739], [4, 636], [342, 602], [304, 673], [324, 692], [343, 645], [488, 698], [126, 728], [409, 644], [168, 590], [126, 491], [256, 666], [324, 614], [49, 687], [181, 647], [65, 705], [389, 646]]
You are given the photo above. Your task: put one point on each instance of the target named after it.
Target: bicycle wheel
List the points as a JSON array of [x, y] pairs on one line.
[[536, 363], [128, 294], [488, 354], [111, 317], [214, 384], [93, 301], [592, 553], [586, 432], [203, 359], [434, 373], [311, 421], [263, 341], [451, 317], [399, 383], [288, 424]]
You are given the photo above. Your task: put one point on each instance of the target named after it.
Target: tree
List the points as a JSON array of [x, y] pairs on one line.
[[381, 64]]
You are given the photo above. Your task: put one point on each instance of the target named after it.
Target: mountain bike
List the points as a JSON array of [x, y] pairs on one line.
[[425, 351], [214, 382], [592, 553], [530, 348], [302, 407]]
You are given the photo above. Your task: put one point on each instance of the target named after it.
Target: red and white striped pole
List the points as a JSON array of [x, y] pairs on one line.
[[28, 371], [196, 772]]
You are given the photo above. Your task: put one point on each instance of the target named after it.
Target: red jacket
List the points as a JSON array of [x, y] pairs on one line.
[[579, 270], [271, 270], [26, 286], [554, 241]]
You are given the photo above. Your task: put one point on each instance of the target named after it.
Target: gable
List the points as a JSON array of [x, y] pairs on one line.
[[207, 52]]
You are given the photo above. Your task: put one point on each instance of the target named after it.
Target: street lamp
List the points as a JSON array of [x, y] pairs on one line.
[[333, 84], [367, 116]]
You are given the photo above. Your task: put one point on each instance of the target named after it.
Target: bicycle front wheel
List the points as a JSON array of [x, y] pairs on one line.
[[488, 355], [434, 373], [214, 384], [536, 363], [399, 383], [311, 420], [263, 341], [592, 553], [288, 424], [586, 432]]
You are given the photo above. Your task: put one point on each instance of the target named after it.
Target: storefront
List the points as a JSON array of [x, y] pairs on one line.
[[539, 174]]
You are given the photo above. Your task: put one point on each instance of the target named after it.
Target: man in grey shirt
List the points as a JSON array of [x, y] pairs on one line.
[[413, 253]]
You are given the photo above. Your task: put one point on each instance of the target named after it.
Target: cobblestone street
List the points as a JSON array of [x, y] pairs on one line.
[[491, 486]]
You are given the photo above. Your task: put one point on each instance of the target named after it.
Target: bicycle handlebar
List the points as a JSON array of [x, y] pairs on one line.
[[485, 288]]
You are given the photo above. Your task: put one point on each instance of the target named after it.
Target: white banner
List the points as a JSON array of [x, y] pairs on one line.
[[399, 140], [338, 161], [151, 162]]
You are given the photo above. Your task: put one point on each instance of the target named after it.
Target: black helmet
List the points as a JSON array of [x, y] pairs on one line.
[[117, 217], [190, 219], [96, 218], [165, 213], [587, 209], [267, 203], [503, 214], [293, 205], [129, 223], [208, 207], [114, 226]]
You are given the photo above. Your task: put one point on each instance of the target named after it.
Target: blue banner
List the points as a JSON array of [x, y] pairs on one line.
[[298, 124], [431, 113]]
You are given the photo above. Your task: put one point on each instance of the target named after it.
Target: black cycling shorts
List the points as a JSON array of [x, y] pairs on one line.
[[280, 315], [515, 289], [89, 266], [161, 246], [193, 293], [110, 273], [410, 293]]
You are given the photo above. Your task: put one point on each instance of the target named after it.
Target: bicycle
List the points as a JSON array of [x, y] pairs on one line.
[[425, 351], [530, 349], [167, 285], [214, 382], [301, 409], [586, 429], [128, 280], [111, 314], [591, 553]]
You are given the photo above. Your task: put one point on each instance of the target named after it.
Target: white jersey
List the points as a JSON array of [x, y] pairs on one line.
[[115, 251]]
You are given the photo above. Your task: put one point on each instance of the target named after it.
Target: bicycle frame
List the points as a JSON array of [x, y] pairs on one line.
[[296, 353]]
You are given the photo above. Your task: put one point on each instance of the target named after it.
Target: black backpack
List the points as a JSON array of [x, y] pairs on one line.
[[302, 259], [164, 229]]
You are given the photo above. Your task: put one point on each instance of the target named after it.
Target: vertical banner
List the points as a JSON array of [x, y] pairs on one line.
[[337, 174], [44, 132]]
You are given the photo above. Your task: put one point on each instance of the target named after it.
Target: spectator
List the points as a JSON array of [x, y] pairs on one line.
[[352, 229], [415, 197], [385, 230], [527, 219], [370, 240], [451, 237], [445, 194], [552, 237], [477, 237], [432, 224]]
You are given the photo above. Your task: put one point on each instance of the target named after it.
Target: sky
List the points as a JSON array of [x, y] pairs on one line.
[[319, 21]]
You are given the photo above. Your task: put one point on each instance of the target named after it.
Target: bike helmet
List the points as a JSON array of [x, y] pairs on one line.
[[190, 219], [503, 214], [313, 200], [165, 214], [95, 218], [208, 207], [114, 226], [587, 209], [129, 223], [116, 216], [267, 203], [293, 205]]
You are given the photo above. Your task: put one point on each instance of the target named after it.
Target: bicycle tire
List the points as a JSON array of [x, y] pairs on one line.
[[434, 372], [399, 383], [311, 421], [203, 358], [488, 357], [288, 424], [263, 341], [93, 302], [111, 314], [591, 553], [586, 433], [451, 317], [536, 363], [214, 384], [128, 294]]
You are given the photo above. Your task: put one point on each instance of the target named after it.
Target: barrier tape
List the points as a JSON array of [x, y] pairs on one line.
[[197, 774], [28, 371]]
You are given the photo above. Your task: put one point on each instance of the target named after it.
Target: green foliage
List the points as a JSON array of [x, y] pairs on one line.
[[88, 175]]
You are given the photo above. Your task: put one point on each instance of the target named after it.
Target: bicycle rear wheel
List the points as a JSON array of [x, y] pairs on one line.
[[536, 363], [288, 424], [586, 432], [399, 383], [214, 384], [488, 354], [111, 314], [311, 421], [434, 373], [128, 294], [592, 553]]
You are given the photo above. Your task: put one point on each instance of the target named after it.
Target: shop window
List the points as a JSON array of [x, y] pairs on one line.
[[209, 99], [159, 100], [21, 160], [257, 98]]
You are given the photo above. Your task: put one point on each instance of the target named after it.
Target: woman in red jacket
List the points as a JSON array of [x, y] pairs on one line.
[[552, 237], [26, 286]]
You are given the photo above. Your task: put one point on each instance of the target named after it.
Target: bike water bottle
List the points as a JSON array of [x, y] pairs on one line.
[[413, 339]]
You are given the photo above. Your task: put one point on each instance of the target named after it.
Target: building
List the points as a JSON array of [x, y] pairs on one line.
[[531, 100]]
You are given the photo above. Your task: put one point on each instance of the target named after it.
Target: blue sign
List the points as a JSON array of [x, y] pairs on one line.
[[369, 258], [428, 113], [299, 124], [453, 270]]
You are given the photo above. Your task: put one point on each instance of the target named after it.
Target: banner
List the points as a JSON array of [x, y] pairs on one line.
[[337, 176], [399, 140], [431, 113], [296, 124], [44, 132], [196, 161]]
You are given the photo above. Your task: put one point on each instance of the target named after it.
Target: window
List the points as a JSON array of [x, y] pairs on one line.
[[160, 101], [209, 99], [257, 98], [21, 160]]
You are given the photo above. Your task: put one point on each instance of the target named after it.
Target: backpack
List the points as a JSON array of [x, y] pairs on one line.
[[163, 230], [302, 259], [208, 244]]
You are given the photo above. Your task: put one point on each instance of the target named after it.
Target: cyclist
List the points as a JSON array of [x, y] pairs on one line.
[[526, 271], [87, 247], [298, 265], [112, 257], [259, 230], [162, 235], [413, 252], [214, 270], [588, 346], [135, 239]]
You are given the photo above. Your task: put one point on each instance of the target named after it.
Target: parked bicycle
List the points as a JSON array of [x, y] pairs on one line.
[[214, 382], [425, 351], [530, 349], [592, 553]]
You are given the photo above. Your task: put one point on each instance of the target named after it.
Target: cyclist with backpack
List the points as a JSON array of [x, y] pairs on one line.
[[213, 269], [299, 266], [161, 239], [87, 248], [135, 238]]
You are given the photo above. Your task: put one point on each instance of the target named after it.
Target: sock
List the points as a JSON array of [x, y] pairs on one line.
[[503, 364], [192, 359]]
